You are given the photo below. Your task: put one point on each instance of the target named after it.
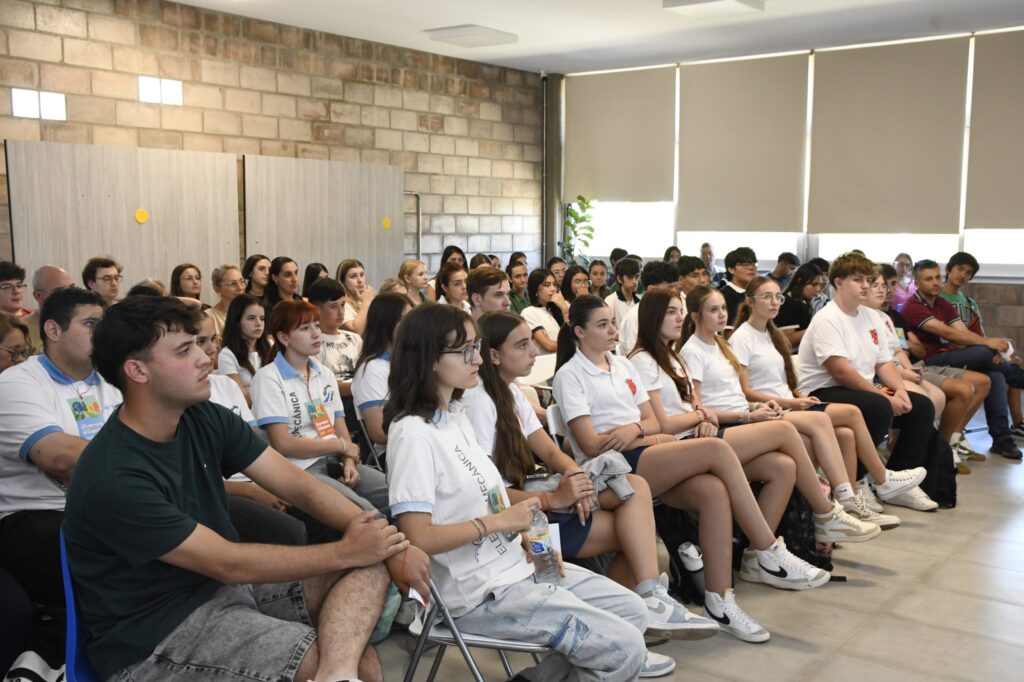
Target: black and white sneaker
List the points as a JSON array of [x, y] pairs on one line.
[[1017, 430], [777, 567], [732, 619]]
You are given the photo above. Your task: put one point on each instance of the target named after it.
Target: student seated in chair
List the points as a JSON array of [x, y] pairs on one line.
[[166, 590]]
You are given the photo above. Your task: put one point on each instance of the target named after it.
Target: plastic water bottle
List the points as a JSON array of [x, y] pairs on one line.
[[545, 562]]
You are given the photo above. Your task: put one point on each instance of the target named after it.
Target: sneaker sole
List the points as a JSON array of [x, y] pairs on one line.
[[685, 633], [747, 637], [914, 507], [786, 585], [658, 673]]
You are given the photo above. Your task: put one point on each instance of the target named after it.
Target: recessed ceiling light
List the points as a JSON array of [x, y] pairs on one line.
[[712, 8], [471, 35]]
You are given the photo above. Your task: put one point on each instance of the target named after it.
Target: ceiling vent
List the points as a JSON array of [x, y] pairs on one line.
[[471, 35]]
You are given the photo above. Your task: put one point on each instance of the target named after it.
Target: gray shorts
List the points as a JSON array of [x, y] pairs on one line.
[[936, 374], [244, 632]]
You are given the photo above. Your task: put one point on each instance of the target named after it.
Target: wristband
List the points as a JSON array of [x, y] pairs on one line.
[[641, 427], [478, 524]]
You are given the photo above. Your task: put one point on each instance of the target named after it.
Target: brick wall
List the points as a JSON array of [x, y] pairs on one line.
[[467, 134], [1002, 310]]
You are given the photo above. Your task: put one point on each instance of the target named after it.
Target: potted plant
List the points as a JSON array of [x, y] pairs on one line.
[[578, 232]]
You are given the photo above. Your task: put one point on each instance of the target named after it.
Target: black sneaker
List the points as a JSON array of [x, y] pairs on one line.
[[1017, 430], [1006, 448]]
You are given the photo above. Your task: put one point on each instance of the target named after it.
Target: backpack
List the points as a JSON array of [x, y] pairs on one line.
[[940, 483], [676, 527], [797, 527]]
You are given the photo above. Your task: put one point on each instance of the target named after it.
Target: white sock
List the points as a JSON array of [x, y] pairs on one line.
[[955, 438], [843, 491]]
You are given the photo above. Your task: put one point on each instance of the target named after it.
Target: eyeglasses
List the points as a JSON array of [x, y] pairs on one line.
[[234, 283], [469, 352], [17, 354], [107, 279], [768, 298], [7, 286]]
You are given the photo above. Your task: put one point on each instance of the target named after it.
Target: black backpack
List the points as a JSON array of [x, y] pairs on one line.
[[797, 527], [676, 527], [940, 483]]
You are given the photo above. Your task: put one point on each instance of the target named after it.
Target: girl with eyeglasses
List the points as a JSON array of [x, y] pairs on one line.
[[228, 284], [905, 286], [576, 282], [187, 282], [14, 337], [604, 403], [766, 374], [451, 502], [715, 373]]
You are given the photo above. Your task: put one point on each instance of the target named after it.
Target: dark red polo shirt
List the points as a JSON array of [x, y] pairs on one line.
[[917, 312]]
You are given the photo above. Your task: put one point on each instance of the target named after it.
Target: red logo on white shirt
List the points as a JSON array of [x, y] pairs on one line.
[[632, 386], [874, 336]]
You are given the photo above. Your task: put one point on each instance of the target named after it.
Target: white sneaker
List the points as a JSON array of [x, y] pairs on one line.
[[856, 507], [864, 492], [668, 618], [838, 526], [915, 498], [656, 665], [899, 481], [732, 619], [777, 567]]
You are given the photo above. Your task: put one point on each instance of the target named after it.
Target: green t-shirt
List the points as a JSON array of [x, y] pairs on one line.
[[133, 500], [519, 303], [968, 310]]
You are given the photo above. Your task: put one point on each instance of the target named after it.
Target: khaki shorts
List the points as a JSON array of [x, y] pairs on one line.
[[936, 374]]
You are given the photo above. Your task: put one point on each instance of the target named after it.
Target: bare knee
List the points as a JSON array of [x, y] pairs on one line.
[[782, 468], [641, 490], [708, 493]]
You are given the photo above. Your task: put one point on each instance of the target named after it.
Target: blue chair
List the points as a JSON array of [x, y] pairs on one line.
[[76, 665]]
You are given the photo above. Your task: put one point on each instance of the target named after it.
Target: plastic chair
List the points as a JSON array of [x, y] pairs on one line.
[[446, 633], [76, 665]]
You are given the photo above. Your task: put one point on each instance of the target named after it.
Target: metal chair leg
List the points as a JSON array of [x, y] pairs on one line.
[[505, 664], [446, 616], [437, 662]]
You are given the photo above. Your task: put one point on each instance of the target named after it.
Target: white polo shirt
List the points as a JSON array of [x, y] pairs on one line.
[[539, 317], [370, 383], [620, 306], [483, 414], [227, 364], [654, 378], [39, 399], [281, 396], [610, 398], [890, 338], [437, 467], [766, 368], [628, 328], [225, 392], [833, 333], [719, 383], [339, 352]]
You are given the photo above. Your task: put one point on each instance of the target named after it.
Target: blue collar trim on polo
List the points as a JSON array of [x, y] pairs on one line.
[[288, 372], [62, 378]]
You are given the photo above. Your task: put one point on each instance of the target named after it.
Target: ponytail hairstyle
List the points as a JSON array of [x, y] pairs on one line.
[[382, 320], [231, 337], [779, 339], [580, 311], [695, 301], [422, 336], [511, 455], [650, 315]]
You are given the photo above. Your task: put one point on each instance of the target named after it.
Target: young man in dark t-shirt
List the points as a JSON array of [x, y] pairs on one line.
[[948, 341], [166, 591], [741, 264]]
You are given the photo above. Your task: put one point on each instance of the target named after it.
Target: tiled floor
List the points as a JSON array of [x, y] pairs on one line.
[[941, 598]]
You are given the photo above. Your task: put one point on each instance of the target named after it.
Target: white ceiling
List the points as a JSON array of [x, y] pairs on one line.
[[570, 36]]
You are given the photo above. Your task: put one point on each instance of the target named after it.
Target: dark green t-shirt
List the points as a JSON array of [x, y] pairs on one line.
[[133, 500]]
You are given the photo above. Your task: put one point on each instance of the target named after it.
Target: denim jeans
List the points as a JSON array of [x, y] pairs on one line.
[[243, 633], [1003, 374], [594, 626]]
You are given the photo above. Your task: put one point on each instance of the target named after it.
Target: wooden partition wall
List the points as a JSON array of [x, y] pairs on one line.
[[325, 211], [71, 202]]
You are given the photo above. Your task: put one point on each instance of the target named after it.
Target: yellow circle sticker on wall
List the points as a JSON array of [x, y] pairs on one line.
[[141, 216], [386, 223]]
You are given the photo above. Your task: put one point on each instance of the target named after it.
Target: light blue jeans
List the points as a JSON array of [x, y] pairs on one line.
[[593, 625]]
